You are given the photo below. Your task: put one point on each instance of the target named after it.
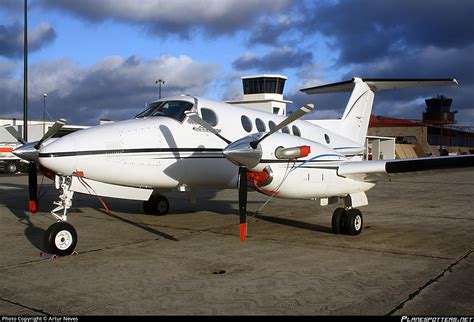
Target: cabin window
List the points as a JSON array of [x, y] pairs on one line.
[[326, 137], [271, 125], [172, 109], [296, 130], [260, 125], [246, 123], [285, 130], [209, 116]]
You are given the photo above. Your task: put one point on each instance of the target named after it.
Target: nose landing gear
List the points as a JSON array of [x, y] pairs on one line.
[[61, 238]]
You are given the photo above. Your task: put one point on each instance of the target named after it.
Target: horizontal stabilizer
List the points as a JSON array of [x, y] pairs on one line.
[[377, 84], [377, 170]]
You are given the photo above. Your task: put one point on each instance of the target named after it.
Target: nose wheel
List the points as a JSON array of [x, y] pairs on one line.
[[60, 239], [157, 205], [347, 221]]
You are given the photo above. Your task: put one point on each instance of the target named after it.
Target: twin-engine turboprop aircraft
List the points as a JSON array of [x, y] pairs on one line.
[[186, 142]]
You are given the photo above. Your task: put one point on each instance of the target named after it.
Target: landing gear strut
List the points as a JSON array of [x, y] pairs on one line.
[[347, 221], [157, 205], [61, 237]]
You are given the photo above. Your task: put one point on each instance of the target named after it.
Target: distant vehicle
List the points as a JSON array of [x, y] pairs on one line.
[[9, 162]]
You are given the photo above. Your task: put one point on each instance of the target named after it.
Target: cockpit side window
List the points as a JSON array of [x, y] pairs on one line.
[[173, 109]]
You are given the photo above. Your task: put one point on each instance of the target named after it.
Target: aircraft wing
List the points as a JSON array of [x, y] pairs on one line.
[[372, 171]]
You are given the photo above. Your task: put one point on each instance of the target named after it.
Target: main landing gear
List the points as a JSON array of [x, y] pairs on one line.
[[157, 205], [347, 221]]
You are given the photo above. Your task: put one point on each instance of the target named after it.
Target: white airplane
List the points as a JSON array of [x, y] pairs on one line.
[[186, 143]]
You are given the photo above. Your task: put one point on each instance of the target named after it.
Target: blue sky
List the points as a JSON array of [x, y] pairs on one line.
[[100, 58]]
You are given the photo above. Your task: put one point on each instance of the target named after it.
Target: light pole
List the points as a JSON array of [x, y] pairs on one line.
[[44, 112], [25, 73], [160, 82]]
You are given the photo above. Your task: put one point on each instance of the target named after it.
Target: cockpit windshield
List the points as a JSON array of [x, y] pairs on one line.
[[173, 109]]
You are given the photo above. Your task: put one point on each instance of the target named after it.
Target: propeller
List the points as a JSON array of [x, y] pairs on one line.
[[243, 202], [290, 119], [246, 153], [13, 132], [52, 131], [193, 115], [30, 152]]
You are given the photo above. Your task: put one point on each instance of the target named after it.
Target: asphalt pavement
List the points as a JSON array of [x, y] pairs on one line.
[[413, 257]]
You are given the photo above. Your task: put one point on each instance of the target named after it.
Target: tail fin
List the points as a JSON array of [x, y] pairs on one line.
[[355, 120]]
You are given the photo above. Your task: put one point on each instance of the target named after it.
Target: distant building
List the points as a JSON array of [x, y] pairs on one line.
[[36, 129], [427, 137], [264, 93]]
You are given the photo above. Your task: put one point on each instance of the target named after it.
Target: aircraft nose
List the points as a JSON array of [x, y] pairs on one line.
[[27, 152], [57, 156]]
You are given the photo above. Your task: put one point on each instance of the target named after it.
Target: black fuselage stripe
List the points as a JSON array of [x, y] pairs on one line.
[[201, 153], [125, 151]]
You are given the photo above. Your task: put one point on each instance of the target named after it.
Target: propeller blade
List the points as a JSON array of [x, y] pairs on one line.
[[243, 202], [13, 132], [33, 187], [196, 118], [52, 131], [293, 117]]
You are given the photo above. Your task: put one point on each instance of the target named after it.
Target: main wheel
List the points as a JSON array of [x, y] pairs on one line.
[[157, 205], [353, 222], [338, 220], [10, 167], [60, 239]]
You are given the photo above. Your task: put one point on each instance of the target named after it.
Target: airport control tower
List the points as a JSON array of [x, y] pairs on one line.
[[438, 111], [264, 93]]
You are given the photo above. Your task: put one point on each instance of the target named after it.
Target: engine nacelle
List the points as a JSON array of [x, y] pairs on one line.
[[282, 148]]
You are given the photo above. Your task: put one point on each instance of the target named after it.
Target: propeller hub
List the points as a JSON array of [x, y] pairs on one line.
[[242, 153], [27, 152]]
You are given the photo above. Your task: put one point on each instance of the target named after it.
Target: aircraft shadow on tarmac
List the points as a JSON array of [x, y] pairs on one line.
[[33, 233], [205, 202], [293, 223]]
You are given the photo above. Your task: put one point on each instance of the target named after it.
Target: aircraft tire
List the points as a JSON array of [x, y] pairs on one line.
[[157, 205], [353, 222], [10, 167], [60, 239], [338, 220]]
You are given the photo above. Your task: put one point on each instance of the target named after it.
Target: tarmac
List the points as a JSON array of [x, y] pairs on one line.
[[413, 257]]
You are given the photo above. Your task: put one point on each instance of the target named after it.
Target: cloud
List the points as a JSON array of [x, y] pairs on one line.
[[11, 5], [364, 31], [395, 39], [11, 39], [115, 87], [275, 30], [178, 17], [276, 59]]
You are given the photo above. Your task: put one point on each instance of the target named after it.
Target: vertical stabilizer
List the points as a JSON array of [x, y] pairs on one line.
[[356, 117]]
